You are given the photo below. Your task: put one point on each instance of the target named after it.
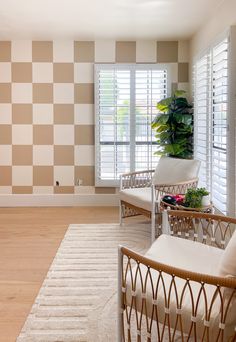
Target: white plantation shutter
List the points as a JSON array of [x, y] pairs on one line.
[[219, 124], [151, 87], [125, 105], [113, 133], [202, 122], [210, 116]]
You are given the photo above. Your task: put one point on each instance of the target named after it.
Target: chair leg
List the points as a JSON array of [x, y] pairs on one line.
[[165, 223], [119, 299], [153, 217], [120, 214], [153, 226]]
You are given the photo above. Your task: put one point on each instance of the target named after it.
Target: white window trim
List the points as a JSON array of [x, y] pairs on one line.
[[231, 203], [97, 68]]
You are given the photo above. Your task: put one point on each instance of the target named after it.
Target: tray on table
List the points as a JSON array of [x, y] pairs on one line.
[[204, 209]]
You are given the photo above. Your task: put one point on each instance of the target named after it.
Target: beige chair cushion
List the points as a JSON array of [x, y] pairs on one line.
[[139, 197], [227, 268], [174, 170], [188, 255], [227, 265], [185, 254]]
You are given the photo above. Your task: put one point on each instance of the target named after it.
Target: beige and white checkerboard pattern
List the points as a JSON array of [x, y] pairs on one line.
[[47, 111]]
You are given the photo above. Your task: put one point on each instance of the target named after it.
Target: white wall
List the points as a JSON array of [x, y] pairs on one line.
[[222, 17]]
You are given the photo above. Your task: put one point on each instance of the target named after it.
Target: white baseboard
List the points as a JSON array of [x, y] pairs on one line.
[[58, 200]]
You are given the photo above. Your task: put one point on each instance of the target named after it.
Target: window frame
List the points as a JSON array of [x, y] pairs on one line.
[[132, 67]]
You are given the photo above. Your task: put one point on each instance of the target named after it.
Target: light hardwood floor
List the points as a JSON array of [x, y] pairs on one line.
[[29, 238]]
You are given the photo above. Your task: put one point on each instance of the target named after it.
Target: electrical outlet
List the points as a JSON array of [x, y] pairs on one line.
[[79, 182]]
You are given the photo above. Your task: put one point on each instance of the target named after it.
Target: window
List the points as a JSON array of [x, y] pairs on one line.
[[125, 105], [211, 121]]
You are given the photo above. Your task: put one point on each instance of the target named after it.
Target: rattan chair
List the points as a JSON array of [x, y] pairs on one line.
[[184, 288], [140, 192]]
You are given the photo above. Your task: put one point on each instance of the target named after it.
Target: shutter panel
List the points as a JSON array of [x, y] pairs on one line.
[[113, 113], [219, 124], [202, 122], [151, 87]]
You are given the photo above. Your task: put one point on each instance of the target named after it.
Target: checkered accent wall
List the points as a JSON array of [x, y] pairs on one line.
[[47, 112]]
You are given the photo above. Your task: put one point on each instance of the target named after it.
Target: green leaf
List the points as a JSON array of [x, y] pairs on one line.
[[162, 128], [179, 93], [181, 140], [174, 149], [181, 102], [159, 153], [162, 119], [183, 118], [184, 129], [163, 105]]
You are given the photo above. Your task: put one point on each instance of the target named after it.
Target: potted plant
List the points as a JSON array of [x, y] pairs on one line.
[[205, 197], [194, 198], [174, 126]]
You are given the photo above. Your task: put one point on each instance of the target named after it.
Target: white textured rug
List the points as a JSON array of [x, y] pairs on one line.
[[77, 301]]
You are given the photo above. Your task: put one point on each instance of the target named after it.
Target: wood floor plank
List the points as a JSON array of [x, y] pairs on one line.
[[29, 239]]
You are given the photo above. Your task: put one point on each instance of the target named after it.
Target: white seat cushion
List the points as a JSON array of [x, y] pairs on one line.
[[139, 197], [187, 255], [227, 268], [227, 265], [175, 170]]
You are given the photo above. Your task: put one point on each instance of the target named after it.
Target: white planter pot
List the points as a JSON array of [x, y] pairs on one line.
[[206, 200]]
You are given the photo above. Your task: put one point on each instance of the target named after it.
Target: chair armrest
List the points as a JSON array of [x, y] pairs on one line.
[[177, 188], [210, 229], [138, 179], [174, 271]]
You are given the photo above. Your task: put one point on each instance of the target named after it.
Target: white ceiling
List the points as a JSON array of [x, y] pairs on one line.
[[103, 19]]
